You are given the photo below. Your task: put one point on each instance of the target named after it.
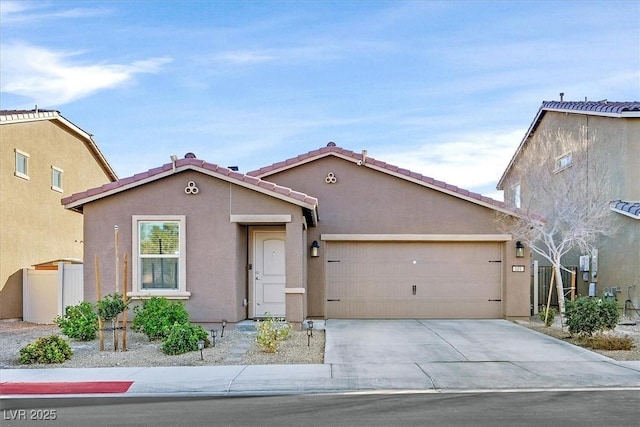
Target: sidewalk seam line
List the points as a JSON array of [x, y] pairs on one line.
[[433, 384], [228, 390]]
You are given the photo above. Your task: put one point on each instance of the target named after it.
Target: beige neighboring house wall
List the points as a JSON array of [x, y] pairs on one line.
[[613, 132], [34, 226]]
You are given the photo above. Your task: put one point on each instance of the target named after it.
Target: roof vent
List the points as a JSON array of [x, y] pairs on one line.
[[189, 156], [561, 96], [331, 144], [233, 168]]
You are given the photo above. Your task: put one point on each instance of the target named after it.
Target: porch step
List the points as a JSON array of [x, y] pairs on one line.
[[246, 326], [250, 325]]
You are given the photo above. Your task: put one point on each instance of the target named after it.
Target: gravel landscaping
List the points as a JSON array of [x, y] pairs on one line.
[[235, 348], [626, 327]]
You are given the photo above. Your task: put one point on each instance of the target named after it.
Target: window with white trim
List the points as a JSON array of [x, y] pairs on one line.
[[564, 161], [22, 164], [56, 179], [517, 198], [159, 263]]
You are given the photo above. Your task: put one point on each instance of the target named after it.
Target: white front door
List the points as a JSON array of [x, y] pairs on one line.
[[269, 273]]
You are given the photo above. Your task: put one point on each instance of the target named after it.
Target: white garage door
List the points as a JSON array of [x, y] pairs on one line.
[[414, 280]]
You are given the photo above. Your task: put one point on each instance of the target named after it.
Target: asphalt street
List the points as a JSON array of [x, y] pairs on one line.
[[533, 408]]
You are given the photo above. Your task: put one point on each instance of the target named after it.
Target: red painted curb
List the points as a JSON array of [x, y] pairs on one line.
[[66, 387]]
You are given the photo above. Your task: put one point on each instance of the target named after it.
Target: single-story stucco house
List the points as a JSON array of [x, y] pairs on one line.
[[327, 234]]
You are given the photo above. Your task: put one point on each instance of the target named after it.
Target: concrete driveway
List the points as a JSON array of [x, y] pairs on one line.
[[463, 355], [424, 341]]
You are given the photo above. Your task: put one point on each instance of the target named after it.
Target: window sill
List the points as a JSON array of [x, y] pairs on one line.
[[154, 293]]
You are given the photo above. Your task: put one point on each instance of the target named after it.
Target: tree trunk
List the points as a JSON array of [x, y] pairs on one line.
[[559, 287]]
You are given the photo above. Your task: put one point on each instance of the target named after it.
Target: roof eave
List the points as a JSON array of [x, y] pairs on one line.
[[77, 205]]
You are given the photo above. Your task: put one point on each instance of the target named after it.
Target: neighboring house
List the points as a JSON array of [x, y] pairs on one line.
[[43, 157], [330, 234], [612, 136]]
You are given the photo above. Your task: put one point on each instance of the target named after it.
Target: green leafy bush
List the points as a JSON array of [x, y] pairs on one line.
[[51, 349], [111, 306], [79, 321], [157, 315], [184, 337], [549, 318], [270, 332], [587, 315]]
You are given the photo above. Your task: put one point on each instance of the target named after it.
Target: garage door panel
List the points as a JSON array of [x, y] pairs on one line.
[[407, 280]]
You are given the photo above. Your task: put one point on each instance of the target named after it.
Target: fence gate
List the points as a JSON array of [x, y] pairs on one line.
[[544, 278], [46, 292]]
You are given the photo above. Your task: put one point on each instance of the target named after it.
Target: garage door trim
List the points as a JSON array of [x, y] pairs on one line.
[[416, 237]]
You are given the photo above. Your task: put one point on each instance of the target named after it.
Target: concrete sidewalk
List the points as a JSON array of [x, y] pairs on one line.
[[416, 355]]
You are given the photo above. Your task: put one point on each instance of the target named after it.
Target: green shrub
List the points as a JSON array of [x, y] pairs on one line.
[[184, 337], [51, 349], [79, 321], [270, 332], [157, 315], [111, 306], [549, 319], [587, 315], [610, 313]]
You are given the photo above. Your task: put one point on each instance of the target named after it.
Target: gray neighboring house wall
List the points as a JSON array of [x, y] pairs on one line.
[[612, 130]]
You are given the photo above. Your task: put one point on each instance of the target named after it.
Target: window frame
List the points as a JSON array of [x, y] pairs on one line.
[[559, 166], [18, 173], [516, 191], [137, 292], [56, 171]]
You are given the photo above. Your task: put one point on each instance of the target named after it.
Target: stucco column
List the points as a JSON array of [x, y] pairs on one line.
[[295, 291], [517, 283]]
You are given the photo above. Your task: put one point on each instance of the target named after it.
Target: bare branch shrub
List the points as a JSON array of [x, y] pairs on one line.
[[565, 197]]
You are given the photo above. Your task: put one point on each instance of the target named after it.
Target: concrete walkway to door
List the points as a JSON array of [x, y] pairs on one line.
[[467, 354]]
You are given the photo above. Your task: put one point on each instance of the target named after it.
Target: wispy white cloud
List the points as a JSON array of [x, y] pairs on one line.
[[14, 12], [474, 161], [50, 77]]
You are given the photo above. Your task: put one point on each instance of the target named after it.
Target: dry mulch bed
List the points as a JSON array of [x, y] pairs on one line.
[[562, 333]]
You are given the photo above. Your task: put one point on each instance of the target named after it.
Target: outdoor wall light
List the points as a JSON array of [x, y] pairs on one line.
[[519, 249], [224, 324], [314, 249], [200, 347], [214, 334], [310, 327]]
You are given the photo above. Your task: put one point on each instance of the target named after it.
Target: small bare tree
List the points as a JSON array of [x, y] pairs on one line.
[[565, 197]]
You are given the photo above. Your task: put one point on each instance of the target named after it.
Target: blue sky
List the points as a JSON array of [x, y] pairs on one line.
[[446, 89]]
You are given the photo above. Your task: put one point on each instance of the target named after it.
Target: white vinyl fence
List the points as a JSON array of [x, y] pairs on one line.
[[47, 292]]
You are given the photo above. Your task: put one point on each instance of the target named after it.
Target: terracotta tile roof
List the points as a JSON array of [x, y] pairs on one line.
[[593, 106], [631, 209], [8, 115], [76, 201], [332, 149]]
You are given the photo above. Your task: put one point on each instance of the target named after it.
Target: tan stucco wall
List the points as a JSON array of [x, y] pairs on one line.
[[616, 143], [370, 202], [34, 226], [216, 247]]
